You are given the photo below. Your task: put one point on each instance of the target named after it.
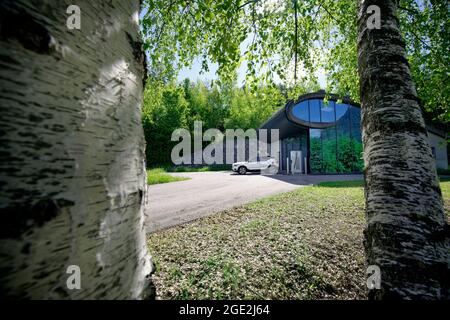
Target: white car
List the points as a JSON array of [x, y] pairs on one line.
[[269, 164]]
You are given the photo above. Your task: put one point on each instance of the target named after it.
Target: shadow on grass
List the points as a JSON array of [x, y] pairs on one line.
[[342, 184], [356, 183], [311, 179]]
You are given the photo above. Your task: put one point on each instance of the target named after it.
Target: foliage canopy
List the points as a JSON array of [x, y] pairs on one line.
[[264, 34]]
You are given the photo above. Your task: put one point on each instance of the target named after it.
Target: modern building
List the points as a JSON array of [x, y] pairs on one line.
[[328, 135]]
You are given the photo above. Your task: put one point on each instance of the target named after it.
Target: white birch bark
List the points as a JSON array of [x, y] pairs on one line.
[[407, 234], [72, 151]]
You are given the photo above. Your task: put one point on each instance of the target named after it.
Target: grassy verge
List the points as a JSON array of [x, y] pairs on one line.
[[445, 189], [299, 245], [216, 167], [158, 175], [342, 184], [360, 183]]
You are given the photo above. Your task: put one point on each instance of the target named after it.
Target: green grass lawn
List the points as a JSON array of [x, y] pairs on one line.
[[305, 244], [158, 175], [445, 189], [216, 167], [342, 184]]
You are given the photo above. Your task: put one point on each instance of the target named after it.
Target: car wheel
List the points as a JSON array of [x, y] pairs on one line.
[[242, 170]]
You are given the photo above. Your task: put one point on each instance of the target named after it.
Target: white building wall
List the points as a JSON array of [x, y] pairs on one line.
[[439, 146]]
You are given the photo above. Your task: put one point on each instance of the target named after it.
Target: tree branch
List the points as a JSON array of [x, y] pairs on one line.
[[164, 22], [247, 3], [328, 12], [408, 10], [295, 42], [427, 45]]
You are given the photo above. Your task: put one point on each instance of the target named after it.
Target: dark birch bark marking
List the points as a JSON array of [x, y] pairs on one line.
[[407, 235], [72, 174]]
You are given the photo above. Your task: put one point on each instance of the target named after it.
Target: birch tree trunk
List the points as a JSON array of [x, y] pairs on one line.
[[72, 151], [407, 234]]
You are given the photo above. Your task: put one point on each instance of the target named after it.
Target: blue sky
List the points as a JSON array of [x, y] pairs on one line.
[[194, 74]]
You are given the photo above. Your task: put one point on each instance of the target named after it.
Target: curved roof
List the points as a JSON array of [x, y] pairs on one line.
[[289, 125]]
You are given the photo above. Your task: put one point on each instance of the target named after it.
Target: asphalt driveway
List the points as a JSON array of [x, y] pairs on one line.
[[206, 193]]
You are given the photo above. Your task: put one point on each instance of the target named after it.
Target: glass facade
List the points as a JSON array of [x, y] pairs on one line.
[[314, 111], [345, 149], [294, 143], [301, 111], [334, 135]]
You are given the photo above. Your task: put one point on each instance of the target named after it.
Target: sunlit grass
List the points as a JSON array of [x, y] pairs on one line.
[[342, 184], [305, 244], [215, 167], [158, 175], [297, 245]]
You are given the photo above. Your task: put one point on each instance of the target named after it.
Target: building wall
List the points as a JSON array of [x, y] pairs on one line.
[[439, 147]]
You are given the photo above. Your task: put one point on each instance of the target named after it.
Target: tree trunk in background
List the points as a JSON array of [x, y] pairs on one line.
[[72, 151], [407, 232]]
